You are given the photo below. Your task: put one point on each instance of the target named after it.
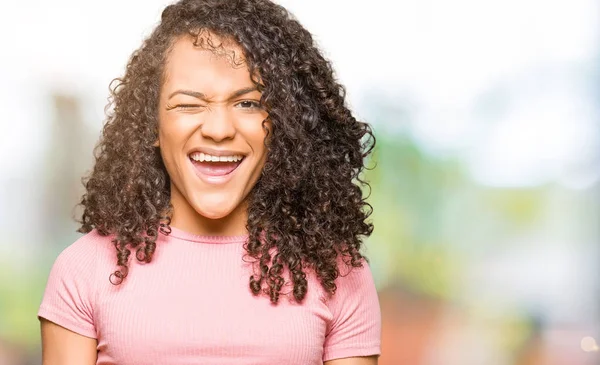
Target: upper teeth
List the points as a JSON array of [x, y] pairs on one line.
[[201, 157]]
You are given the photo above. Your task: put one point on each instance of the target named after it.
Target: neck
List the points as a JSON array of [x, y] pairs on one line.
[[232, 225]]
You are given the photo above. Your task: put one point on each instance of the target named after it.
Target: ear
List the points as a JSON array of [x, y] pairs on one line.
[[156, 144]]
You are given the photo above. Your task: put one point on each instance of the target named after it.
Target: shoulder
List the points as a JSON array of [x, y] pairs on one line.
[[87, 252], [70, 296], [351, 281], [351, 278], [355, 289]]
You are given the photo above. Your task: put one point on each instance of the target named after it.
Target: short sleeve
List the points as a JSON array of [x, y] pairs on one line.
[[69, 296], [355, 328]]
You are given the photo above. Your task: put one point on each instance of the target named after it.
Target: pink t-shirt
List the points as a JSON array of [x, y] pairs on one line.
[[192, 305]]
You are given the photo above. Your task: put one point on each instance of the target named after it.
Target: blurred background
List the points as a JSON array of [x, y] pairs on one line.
[[485, 250]]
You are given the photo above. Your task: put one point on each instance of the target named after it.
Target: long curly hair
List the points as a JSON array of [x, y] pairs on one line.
[[307, 210]]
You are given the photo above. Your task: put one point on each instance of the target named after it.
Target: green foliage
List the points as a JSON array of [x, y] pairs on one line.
[[409, 191], [430, 218], [21, 290]]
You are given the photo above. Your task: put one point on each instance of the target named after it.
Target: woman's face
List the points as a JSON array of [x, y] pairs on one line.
[[211, 137]]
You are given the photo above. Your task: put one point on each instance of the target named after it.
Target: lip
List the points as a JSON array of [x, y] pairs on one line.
[[214, 152], [214, 180]]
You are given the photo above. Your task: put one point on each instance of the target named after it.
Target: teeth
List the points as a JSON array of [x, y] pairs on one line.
[[201, 157]]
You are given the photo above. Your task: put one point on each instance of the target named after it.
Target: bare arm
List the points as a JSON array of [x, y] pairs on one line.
[[63, 347], [370, 360]]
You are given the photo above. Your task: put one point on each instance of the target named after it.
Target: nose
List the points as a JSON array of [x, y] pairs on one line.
[[218, 125]]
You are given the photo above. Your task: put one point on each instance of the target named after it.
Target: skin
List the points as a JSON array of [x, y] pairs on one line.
[[219, 116], [61, 346], [368, 360], [223, 114]]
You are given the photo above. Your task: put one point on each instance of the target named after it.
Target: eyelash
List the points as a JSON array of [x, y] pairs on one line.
[[255, 105], [186, 106]]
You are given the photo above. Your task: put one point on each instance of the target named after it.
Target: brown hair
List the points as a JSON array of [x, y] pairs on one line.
[[308, 204]]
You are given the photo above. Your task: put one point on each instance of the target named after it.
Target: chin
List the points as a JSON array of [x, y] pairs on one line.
[[211, 205], [214, 210], [213, 214]]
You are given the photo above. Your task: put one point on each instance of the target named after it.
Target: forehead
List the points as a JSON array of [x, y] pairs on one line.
[[205, 63]]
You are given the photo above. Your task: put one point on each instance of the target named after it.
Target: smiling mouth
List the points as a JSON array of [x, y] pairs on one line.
[[216, 168]]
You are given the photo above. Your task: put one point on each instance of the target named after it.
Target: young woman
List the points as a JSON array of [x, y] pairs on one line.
[[224, 215]]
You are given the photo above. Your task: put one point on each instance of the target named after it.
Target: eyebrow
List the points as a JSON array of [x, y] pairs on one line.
[[202, 96]]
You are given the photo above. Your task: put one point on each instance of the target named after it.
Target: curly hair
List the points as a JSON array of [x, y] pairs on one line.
[[307, 210]]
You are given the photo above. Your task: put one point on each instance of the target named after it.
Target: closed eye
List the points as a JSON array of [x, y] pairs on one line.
[[184, 106], [188, 106]]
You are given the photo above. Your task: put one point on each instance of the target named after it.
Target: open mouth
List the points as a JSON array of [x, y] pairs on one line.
[[215, 165]]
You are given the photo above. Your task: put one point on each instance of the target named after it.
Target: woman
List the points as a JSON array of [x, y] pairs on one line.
[[228, 167]]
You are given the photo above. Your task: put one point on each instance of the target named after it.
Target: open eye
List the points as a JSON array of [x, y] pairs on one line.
[[249, 104]]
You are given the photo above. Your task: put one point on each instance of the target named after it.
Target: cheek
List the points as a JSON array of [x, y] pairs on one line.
[[171, 142], [174, 131], [255, 135], [166, 142]]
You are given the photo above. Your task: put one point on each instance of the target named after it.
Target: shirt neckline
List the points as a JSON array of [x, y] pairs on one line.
[[216, 239]]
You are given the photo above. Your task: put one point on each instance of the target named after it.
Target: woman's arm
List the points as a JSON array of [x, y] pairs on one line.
[[63, 347], [369, 360]]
